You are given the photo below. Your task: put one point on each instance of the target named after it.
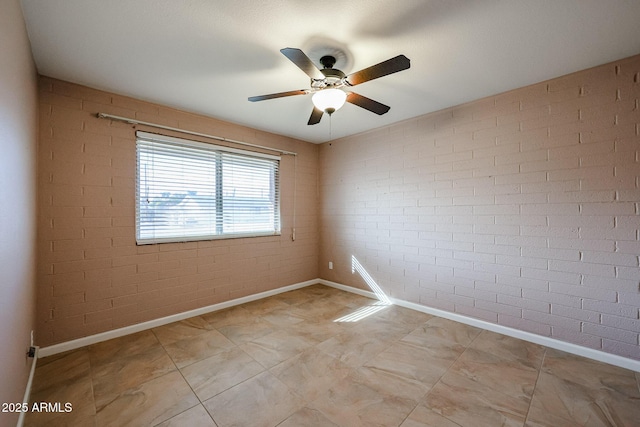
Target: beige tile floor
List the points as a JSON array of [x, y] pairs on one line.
[[285, 361]]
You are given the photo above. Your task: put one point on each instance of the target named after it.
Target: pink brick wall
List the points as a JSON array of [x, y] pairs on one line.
[[91, 276], [521, 209]]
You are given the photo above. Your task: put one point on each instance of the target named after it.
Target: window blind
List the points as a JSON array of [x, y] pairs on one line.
[[188, 190]]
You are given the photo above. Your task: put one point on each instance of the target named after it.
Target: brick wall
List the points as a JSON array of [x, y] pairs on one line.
[[521, 209], [91, 276]]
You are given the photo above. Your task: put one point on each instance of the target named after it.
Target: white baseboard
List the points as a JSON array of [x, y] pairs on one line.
[[590, 353], [579, 350], [351, 289], [127, 330], [27, 392]]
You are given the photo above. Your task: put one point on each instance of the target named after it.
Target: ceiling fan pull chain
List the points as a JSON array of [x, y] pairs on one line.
[[330, 121]]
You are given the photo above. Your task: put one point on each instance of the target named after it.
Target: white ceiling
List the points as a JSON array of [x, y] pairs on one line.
[[208, 56]]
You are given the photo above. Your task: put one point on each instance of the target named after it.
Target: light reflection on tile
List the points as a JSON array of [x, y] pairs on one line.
[[320, 309], [284, 361]]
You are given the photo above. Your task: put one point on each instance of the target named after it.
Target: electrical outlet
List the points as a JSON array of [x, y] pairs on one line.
[[330, 265]]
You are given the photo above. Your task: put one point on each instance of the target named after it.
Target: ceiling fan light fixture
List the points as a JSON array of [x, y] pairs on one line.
[[329, 100], [326, 83]]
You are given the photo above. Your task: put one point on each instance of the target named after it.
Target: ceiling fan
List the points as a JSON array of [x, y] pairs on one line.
[[328, 83]]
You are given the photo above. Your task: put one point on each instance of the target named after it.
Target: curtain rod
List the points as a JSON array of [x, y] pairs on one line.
[[218, 138]]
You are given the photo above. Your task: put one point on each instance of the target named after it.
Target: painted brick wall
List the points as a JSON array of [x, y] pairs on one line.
[[92, 277], [521, 209]]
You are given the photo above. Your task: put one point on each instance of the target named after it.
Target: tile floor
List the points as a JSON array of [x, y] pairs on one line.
[[285, 361]]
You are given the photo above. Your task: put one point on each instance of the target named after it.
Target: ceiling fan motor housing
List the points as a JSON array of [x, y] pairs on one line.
[[332, 76]]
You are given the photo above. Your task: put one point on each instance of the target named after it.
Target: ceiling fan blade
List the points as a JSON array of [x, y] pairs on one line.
[[384, 68], [303, 62], [316, 115], [367, 103], [277, 95]]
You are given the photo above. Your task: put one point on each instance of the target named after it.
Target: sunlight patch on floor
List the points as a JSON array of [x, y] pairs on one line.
[[383, 300], [363, 312], [356, 266]]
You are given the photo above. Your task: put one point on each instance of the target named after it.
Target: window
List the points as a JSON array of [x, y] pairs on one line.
[[187, 190]]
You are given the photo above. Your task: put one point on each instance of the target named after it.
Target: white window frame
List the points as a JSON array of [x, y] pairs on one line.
[[217, 226]]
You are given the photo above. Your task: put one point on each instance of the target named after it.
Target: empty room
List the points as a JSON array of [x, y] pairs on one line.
[[286, 213]]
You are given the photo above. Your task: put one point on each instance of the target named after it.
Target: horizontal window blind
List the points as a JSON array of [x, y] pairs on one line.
[[188, 190]]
